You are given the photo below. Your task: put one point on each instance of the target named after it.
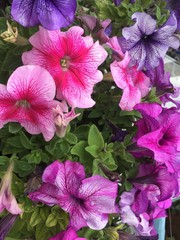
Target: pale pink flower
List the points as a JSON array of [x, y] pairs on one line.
[[71, 59], [7, 199], [62, 118], [134, 83], [28, 99]]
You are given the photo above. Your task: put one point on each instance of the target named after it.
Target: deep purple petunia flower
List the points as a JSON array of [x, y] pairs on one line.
[[160, 79], [6, 224], [146, 43], [174, 6], [51, 14], [159, 131], [87, 200]]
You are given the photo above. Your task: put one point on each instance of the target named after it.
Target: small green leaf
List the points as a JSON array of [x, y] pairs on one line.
[[26, 142], [35, 218], [95, 137], [51, 220], [14, 127], [93, 150], [71, 138]]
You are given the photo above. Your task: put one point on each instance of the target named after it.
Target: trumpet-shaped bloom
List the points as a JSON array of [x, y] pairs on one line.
[[159, 131], [71, 59], [134, 83], [147, 44], [87, 200], [70, 234], [28, 99], [51, 14], [7, 199]]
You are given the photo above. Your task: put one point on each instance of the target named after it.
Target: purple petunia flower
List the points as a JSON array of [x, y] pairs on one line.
[[174, 6], [6, 224], [51, 14], [87, 200], [149, 197], [147, 44], [159, 131]]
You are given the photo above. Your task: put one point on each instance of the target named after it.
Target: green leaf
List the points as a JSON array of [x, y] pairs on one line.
[[93, 150], [95, 137], [15, 142], [14, 127], [26, 142], [51, 220], [35, 218], [71, 138], [4, 160]]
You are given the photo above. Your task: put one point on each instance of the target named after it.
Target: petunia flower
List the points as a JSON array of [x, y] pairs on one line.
[[62, 118], [174, 7], [159, 131], [134, 83], [70, 234], [7, 199], [28, 99], [51, 14], [145, 43], [6, 223], [87, 200], [71, 59]]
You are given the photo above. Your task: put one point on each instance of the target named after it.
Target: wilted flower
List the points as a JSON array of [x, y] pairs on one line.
[[7, 199], [99, 29], [71, 59], [147, 44], [134, 83], [50, 14], [28, 99], [6, 224], [87, 200], [62, 118], [69, 234]]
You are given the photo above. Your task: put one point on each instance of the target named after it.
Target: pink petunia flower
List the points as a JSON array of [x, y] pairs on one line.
[[134, 83], [7, 199], [28, 99], [71, 59], [87, 200], [62, 118], [70, 234]]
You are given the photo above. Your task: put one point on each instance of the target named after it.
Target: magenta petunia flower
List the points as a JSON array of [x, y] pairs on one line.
[[145, 43], [159, 131], [7, 199], [71, 59], [134, 83], [28, 99], [51, 14], [70, 234], [87, 200]]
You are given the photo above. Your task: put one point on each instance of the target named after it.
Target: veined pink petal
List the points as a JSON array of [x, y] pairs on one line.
[[32, 83], [99, 194], [28, 99], [131, 96], [134, 83], [71, 59]]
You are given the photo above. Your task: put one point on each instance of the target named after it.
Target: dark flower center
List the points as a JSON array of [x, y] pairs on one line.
[[23, 103]]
